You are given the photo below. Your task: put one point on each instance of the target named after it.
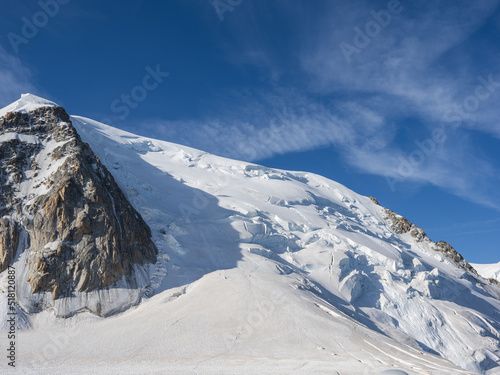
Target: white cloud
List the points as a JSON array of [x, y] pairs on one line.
[[359, 107], [400, 72], [14, 78], [277, 123]]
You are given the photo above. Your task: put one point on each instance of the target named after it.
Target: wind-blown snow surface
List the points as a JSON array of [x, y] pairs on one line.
[[264, 271], [27, 103], [489, 271]]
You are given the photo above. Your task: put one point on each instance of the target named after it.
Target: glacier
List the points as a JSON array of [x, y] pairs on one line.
[[266, 271]]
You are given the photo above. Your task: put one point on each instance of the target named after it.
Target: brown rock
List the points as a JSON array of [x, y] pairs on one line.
[[95, 232]]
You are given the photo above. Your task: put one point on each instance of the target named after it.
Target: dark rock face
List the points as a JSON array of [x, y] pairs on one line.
[[83, 233], [9, 241]]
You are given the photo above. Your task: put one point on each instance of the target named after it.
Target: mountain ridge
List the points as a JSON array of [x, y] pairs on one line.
[[229, 232]]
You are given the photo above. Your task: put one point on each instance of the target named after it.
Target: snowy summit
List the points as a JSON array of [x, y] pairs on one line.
[[28, 102]]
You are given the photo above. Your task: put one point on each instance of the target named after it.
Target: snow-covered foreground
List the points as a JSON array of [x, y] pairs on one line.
[[264, 271], [246, 320]]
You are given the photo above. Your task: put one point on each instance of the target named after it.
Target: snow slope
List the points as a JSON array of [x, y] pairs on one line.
[[264, 271], [323, 244], [27, 103], [489, 271]]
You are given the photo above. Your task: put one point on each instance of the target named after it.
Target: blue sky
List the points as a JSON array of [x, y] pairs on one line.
[[395, 99]]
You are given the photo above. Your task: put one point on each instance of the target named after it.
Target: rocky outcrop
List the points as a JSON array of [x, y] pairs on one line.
[[452, 254], [401, 225], [9, 241], [83, 234]]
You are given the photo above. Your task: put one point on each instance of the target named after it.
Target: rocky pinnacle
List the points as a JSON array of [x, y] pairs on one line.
[[63, 206]]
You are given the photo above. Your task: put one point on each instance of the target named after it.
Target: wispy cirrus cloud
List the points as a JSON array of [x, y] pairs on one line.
[[411, 65], [363, 138], [15, 78], [276, 124], [410, 79]]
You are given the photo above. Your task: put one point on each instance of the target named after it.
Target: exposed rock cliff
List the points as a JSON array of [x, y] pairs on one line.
[[80, 231]]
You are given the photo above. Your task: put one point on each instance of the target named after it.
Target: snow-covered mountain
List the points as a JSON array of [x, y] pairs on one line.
[[488, 271], [264, 271], [65, 222]]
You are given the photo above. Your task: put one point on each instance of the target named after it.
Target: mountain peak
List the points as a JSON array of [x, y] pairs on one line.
[[28, 102], [63, 214]]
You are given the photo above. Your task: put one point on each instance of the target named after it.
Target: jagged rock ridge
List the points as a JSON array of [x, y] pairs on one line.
[[401, 225], [59, 202]]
